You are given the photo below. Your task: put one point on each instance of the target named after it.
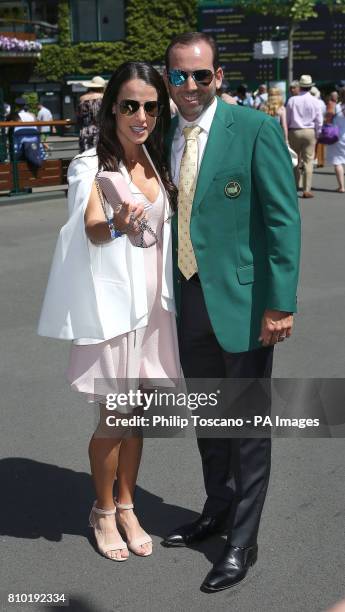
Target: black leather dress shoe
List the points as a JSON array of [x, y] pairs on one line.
[[204, 527], [231, 568]]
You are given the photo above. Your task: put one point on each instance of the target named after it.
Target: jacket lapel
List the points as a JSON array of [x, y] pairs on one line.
[[221, 134]]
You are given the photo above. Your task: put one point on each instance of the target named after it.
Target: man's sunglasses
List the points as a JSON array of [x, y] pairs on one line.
[[179, 77], [130, 107]]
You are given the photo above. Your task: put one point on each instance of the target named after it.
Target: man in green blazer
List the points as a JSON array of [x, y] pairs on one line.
[[236, 257]]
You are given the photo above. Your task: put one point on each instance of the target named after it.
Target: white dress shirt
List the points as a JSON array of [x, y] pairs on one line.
[[304, 112], [44, 114], [178, 144], [26, 115]]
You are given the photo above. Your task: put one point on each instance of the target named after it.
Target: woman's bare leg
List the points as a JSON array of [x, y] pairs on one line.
[[339, 173], [128, 467], [104, 455]]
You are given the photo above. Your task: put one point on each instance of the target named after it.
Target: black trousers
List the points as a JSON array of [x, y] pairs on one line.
[[236, 470]]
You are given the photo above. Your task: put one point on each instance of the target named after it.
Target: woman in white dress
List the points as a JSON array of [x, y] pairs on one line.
[[336, 151], [113, 299]]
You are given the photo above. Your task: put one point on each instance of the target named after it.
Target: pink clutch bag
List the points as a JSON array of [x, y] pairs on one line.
[[115, 189], [112, 187]]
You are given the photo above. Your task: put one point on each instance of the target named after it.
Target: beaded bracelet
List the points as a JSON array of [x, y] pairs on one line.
[[114, 233]]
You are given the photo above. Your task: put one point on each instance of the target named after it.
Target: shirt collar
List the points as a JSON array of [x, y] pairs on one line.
[[204, 121]]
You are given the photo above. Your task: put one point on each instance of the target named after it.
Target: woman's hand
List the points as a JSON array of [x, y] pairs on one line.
[[127, 220]]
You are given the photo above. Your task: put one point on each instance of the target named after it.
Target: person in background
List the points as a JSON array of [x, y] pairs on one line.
[[331, 106], [304, 120], [275, 108], [7, 110], [87, 112], [336, 151], [243, 97], [222, 92], [44, 114], [316, 92], [23, 110], [25, 142], [294, 88], [261, 97], [319, 160]]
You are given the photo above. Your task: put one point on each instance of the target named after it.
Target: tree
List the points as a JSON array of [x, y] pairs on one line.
[[150, 24], [294, 11]]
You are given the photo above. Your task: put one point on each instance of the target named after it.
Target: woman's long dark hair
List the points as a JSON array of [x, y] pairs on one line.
[[109, 149]]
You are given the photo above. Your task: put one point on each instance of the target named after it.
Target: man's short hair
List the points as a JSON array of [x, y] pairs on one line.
[[188, 38], [294, 84]]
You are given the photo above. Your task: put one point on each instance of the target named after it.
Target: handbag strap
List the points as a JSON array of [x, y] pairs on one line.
[[144, 226]]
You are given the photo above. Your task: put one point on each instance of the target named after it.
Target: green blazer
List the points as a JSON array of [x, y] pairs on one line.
[[245, 225]]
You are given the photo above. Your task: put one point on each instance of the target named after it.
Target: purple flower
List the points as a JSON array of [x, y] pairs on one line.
[[19, 46]]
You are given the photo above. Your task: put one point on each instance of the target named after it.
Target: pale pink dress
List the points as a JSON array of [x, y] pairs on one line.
[[146, 357]]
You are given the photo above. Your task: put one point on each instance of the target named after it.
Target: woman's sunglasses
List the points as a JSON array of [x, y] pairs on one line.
[[179, 77], [130, 107]]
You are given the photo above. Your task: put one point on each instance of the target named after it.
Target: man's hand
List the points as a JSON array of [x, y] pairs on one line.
[[275, 327]]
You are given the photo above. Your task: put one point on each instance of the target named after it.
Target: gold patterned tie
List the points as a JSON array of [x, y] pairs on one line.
[[186, 189]]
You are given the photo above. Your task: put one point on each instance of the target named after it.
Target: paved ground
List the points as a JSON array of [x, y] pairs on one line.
[[46, 487]]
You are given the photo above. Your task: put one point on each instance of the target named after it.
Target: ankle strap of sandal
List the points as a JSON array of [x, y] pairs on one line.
[[123, 506], [101, 511]]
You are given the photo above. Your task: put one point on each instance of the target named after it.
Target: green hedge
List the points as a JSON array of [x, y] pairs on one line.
[[32, 101], [150, 25], [64, 23]]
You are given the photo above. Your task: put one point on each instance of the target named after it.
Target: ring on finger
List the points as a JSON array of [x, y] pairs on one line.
[[133, 222]]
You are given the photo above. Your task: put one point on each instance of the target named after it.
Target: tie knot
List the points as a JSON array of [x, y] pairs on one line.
[[192, 132]]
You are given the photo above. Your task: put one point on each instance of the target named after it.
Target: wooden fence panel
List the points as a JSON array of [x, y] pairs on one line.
[[6, 179], [50, 173]]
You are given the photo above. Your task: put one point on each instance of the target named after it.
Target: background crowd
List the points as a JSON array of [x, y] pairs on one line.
[[301, 115]]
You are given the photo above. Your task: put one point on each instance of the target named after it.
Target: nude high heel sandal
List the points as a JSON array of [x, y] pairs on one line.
[[117, 544], [135, 544]]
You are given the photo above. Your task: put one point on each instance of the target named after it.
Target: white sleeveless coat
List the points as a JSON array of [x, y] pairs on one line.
[[98, 291]]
